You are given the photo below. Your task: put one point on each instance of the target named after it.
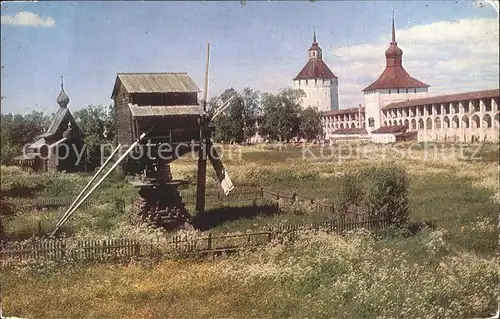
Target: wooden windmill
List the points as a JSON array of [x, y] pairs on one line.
[[159, 114]]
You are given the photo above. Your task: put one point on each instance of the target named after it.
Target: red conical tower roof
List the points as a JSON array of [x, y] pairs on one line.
[[315, 68], [394, 75]]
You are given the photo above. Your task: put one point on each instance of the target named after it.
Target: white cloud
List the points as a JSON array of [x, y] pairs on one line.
[[29, 19], [451, 56]]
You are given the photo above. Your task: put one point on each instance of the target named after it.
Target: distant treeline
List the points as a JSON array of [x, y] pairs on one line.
[[276, 117]]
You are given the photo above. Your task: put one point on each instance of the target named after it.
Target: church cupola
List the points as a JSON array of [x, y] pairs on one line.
[[394, 55], [63, 98], [315, 51]]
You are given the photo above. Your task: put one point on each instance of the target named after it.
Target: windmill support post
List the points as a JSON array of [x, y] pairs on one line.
[[90, 182], [70, 212], [202, 152]]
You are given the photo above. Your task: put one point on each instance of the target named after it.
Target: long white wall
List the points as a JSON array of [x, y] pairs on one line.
[[333, 122], [460, 121]]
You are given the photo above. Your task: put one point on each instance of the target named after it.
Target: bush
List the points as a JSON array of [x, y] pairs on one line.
[[61, 184], [387, 195], [351, 193], [16, 183]]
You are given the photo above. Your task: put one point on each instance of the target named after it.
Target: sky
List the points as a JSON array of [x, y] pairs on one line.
[[451, 45]]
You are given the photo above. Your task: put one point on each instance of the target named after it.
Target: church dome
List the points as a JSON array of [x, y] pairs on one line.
[[393, 51], [63, 98]]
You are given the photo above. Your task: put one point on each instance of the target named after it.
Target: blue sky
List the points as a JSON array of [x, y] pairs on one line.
[[262, 45]]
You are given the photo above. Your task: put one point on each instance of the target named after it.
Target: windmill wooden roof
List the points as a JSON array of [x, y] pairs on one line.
[[155, 83], [171, 110]]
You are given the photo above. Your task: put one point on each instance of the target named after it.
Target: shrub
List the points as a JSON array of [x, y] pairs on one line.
[[351, 193], [62, 184], [387, 195]]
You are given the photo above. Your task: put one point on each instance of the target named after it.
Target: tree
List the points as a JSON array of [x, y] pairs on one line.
[[251, 111], [19, 130], [280, 118], [237, 124], [228, 125], [387, 196], [310, 126], [97, 125]]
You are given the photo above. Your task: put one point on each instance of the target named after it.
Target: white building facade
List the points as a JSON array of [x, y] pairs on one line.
[[318, 82], [462, 117], [399, 108]]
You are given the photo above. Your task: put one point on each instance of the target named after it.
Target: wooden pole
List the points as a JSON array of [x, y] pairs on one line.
[[89, 183], [75, 207], [202, 152], [205, 93]]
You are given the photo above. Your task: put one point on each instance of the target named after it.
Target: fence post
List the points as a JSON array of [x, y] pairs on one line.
[[294, 198], [261, 192], [278, 195], [137, 249], [209, 244], [332, 209], [103, 250], [120, 204], [63, 249]]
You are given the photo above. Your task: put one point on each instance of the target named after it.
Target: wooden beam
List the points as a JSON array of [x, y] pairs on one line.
[[202, 153]]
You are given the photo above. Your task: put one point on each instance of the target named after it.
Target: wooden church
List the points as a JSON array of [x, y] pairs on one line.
[[57, 149]]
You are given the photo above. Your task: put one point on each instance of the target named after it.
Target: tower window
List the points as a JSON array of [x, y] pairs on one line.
[[406, 90], [315, 81], [389, 91], [371, 122], [306, 82], [398, 91], [415, 90]]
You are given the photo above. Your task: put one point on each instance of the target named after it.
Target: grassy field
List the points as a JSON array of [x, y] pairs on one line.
[[449, 271]]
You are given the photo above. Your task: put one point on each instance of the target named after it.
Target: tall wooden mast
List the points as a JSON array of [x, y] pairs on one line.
[[202, 153]]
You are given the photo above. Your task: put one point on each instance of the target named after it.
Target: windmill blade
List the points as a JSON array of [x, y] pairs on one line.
[[220, 170], [223, 107]]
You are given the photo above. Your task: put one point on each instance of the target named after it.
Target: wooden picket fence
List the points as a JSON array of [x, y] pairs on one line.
[[189, 197], [180, 245], [217, 195], [288, 200], [38, 203], [120, 249]]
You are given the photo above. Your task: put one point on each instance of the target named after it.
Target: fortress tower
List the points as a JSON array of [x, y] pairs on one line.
[[318, 82], [393, 85]]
